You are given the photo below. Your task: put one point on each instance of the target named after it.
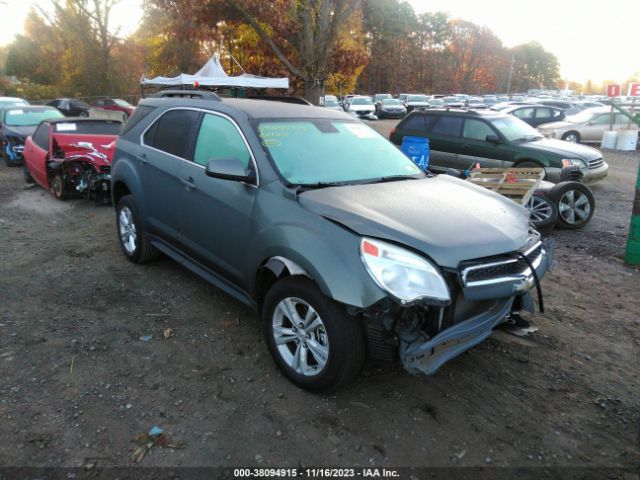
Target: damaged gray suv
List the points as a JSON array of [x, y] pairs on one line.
[[343, 245]]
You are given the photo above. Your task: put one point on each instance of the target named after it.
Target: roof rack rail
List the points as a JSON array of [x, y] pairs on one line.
[[203, 94]]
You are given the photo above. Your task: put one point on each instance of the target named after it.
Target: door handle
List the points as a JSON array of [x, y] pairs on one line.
[[188, 183], [143, 158]]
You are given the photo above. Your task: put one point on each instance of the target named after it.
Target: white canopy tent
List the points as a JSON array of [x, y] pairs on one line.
[[213, 75]]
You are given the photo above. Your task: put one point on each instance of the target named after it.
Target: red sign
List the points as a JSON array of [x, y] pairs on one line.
[[613, 90], [634, 90]]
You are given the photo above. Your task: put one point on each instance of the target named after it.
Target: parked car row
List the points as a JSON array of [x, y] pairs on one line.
[[344, 246]]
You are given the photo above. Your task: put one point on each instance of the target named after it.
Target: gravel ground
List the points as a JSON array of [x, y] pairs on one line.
[[77, 382]]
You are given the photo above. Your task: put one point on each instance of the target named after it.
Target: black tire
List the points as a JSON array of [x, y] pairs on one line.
[[581, 202], [343, 333], [569, 136], [543, 212], [59, 187], [27, 175], [142, 251]]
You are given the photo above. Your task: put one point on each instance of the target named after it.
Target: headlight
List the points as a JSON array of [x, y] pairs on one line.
[[403, 274], [567, 162]]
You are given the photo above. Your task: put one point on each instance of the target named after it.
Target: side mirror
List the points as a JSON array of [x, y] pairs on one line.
[[229, 169], [492, 139]]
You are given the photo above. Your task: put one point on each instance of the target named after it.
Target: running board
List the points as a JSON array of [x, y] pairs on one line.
[[207, 274]]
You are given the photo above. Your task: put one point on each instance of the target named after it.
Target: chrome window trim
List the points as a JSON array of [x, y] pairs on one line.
[[190, 162]]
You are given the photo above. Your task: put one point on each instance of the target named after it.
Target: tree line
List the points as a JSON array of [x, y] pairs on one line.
[[335, 46]]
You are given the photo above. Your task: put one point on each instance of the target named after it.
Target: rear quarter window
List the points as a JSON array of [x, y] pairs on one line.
[[174, 133], [418, 122]]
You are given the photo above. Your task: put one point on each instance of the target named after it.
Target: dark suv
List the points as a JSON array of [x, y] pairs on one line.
[[340, 241], [458, 138]]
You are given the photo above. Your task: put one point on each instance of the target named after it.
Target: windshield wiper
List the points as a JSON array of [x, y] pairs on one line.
[[393, 178]]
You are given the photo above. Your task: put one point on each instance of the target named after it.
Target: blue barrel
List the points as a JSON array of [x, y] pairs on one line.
[[417, 149]]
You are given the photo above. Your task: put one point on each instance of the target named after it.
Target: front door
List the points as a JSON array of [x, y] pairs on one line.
[[476, 148], [215, 219], [36, 153]]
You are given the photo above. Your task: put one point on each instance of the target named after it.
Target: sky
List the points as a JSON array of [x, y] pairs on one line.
[[593, 39]]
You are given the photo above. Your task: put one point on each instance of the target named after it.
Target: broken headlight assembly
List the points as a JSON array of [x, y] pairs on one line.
[[403, 274]]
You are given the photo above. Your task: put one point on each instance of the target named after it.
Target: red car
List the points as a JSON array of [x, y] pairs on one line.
[[72, 156], [114, 104]]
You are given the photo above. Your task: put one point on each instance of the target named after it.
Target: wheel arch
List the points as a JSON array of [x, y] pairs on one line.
[[272, 270]]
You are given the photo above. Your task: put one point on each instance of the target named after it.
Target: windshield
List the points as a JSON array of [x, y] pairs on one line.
[[331, 103], [382, 96], [584, 116], [515, 130], [418, 98], [122, 103], [362, 101], [449, 100], [391, 101], [25, 117], [321, 151], [436, 102]]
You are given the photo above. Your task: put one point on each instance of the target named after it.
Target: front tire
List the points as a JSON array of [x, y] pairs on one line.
[[59, 187], [133, 239], [573, 137], [316, 344]]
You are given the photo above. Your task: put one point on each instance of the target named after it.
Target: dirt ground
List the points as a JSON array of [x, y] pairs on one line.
[[77, 382]]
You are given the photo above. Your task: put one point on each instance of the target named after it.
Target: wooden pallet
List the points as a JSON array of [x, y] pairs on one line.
[[518, 184]]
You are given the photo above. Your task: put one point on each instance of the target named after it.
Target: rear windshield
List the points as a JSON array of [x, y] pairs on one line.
[[362, 101], [308, 152], [27, 117], [96, 127]]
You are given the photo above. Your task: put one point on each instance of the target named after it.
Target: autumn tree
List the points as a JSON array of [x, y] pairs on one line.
[[302, 34], [534, 67]]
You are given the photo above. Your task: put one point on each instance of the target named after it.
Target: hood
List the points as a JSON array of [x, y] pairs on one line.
[[20, 132], [448, 219], [564, 149], [98, 145], [563, 125]]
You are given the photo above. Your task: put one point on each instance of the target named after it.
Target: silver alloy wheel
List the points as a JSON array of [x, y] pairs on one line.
[[574, 207], [300, 336], [572, 137], [128, 235], [539, 209]]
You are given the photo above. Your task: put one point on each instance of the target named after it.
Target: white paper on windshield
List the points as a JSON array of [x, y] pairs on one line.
[[360, 131], [65, 127], [15, 112]]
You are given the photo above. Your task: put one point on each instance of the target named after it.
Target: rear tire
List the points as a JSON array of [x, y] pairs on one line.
[[312, 339], [133, 239]]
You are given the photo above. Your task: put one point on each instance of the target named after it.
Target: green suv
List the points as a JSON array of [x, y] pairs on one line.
[[458, 138]]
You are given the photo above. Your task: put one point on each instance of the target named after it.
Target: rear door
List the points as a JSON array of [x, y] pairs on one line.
[[445, 141], [215, 219], [475, 147], [36, 154], [167, 145]]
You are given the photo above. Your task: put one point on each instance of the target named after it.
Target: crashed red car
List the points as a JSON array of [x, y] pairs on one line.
[[72, 156]]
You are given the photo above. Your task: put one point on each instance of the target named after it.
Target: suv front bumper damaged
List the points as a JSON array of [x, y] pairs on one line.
[[485, 293]]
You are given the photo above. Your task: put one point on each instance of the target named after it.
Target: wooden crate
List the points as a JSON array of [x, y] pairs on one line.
[[518, 184]]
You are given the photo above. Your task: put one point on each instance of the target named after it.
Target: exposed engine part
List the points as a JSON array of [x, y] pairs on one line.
[[82, 180]]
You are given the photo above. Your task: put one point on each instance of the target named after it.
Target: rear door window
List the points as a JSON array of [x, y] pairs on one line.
[[418, 122], [219, 138], [448, 125], [524, 113], [174, 132], [543, 112]]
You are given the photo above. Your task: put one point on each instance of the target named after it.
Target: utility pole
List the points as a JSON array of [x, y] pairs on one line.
[[513, 59]]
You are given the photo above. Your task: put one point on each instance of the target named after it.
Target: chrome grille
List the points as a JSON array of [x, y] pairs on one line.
[[502, 267], [598, 162]]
